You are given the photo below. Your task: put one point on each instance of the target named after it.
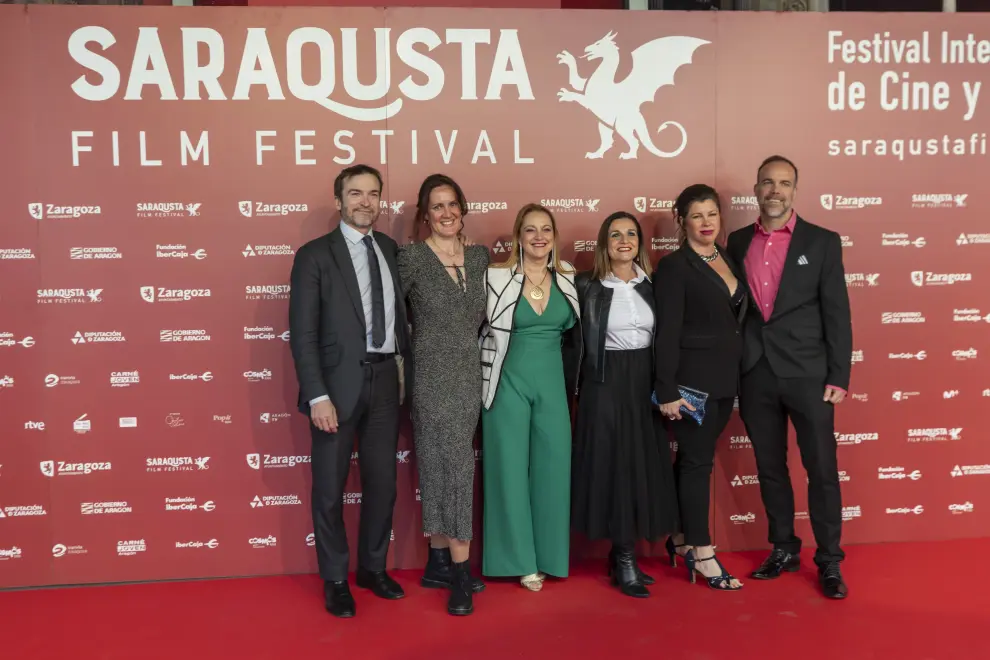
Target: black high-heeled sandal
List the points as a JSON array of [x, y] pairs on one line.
[[719, 582], [672, 550]]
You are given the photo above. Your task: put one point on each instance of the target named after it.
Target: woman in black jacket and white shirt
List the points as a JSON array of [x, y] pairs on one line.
[[622, 479]]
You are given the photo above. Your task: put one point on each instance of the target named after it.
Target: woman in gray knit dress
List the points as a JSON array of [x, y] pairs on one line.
[[444, 282]]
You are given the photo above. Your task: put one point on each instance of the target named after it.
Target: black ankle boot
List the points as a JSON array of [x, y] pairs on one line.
[[643, 577], [646, 579], [622, 568], [461, 602], [438, 573]]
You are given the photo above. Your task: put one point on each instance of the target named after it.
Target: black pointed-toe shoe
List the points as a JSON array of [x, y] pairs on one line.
[[380, 584], [339, 600], [830, 577], [778, 562]]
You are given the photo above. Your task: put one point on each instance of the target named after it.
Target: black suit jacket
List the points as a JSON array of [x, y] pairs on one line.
[[327, 331], [809, 333], [698, 341]]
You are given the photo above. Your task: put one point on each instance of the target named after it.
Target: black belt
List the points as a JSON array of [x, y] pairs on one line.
[[376, 358]]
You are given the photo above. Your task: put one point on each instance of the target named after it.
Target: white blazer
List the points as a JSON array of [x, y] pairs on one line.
[[504, 288]]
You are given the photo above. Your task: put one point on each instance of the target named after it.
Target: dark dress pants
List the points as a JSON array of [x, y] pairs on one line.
[[693, 467], [376, 422], [765, 403]]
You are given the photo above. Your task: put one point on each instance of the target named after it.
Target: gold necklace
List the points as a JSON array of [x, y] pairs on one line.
[[536, 293], [439, 249]]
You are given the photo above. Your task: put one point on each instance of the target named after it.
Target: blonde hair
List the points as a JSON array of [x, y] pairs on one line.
[[603, 264], [513, 260]]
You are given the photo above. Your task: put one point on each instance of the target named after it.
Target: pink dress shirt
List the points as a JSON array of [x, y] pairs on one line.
[[765, 265]]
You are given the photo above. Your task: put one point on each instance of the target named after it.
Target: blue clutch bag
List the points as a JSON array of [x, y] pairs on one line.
[[695, 397]]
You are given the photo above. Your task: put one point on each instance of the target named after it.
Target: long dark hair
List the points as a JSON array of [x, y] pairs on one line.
[[429, 184], [603, 265], [699, 192]]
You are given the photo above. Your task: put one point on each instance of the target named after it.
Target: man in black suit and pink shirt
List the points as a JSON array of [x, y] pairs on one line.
[[796, 362]]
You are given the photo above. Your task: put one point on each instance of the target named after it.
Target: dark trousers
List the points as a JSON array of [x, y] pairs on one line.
[[765, 403], [376, 422], [693, 467]]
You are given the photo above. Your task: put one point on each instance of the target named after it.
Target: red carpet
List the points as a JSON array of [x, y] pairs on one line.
[[907, 601]]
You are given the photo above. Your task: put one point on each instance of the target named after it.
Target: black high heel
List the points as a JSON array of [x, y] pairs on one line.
[[622, 570], [719, 582], [672, 550]]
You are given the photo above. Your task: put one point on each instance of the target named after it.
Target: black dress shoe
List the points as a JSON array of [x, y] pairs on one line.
[[830, 577], [778, 562], [380, 584], [339, 600]]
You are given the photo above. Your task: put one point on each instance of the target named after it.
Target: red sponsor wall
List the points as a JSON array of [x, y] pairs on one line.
[[151, 207]]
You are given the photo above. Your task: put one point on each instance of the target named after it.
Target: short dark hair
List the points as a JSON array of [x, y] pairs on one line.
[[777, 158], [352, 171], [698, 192], [432, 182]]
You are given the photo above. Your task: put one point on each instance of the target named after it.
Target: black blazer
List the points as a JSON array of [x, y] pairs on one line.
[[327, 332], [596, 300], [809, 333], [698, 341]]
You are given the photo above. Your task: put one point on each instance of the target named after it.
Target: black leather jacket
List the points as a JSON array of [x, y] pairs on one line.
[[595, 300]]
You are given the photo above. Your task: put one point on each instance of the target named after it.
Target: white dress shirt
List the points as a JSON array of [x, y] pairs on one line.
[[630, 319], [359, 257]]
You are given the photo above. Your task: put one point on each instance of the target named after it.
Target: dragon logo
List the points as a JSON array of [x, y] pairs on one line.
[[616, 104]]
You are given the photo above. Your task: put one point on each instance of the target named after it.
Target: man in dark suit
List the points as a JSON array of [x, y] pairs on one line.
[[796, 361], [347, 322]]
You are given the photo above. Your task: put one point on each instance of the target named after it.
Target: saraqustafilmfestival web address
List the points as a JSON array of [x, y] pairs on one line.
[[902, 148]]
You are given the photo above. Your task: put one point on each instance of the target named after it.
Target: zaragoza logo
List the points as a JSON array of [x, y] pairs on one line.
[[616, 104]]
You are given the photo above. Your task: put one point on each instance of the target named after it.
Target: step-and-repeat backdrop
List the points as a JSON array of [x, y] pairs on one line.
[[161, 166]]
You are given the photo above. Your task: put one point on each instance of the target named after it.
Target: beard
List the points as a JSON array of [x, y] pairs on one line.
[[777, 210], [359, 217]]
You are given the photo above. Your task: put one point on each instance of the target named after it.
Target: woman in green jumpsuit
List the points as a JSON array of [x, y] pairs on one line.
[[526, 426]]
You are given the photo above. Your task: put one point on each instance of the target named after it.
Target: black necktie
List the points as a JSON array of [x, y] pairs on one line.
[[377, 296]]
